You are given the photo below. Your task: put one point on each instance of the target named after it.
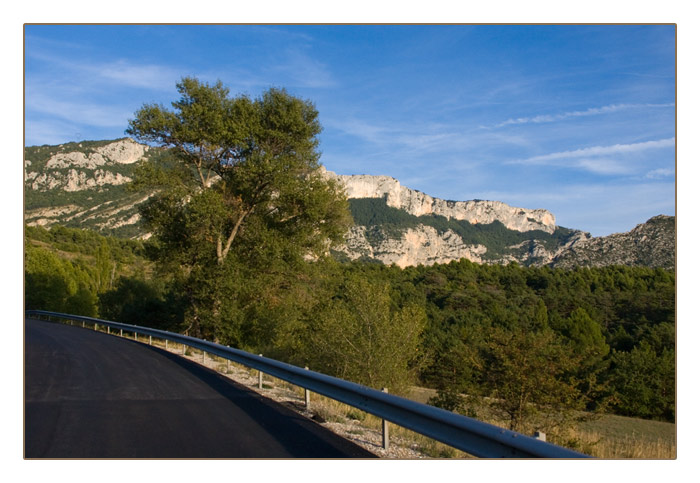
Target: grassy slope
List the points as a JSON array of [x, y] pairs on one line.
[[610, 436]]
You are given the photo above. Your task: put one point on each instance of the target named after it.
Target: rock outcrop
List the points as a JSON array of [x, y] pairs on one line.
[[85, 170], [81, 185], [417, 203], [415, 246], [650, 244], [123, 151]]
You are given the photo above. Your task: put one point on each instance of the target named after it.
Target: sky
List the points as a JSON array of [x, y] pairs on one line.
[[576, 119]]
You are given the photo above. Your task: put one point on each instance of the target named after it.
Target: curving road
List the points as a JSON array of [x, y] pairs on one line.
[[92, 395]]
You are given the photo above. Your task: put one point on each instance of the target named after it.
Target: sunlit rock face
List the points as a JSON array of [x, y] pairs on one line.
[[418, 204]]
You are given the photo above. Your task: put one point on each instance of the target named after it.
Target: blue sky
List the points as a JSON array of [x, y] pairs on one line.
[[579, 120]]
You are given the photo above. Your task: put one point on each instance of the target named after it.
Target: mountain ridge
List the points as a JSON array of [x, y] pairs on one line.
[[84, 185]]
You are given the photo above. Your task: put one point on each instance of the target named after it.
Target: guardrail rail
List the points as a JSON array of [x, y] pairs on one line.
[[467, 434]]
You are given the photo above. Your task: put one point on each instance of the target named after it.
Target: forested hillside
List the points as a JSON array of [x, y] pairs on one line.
[[609, 333]]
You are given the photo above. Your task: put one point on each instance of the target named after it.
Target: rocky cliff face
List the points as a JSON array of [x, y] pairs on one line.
[[84, 185], [77, 171], [425, 245], [419, 204], [422, 245], [650, 244]]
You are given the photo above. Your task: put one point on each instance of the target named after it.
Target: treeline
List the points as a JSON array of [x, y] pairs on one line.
[[599, 339], [81, 272]]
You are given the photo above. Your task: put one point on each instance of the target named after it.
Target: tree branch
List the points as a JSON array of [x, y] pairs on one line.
[[221, 254]]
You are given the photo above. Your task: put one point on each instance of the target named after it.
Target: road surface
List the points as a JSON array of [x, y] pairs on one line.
[[93, 395]]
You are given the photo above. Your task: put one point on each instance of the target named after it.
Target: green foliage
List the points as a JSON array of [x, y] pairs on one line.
[[141, 302], [87, 242], [609, 332], [642, 383], [360, 337], [52, 283], [525, 374], [69, 270], [592, 311]]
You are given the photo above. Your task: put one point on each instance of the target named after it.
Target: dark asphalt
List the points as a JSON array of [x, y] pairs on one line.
[[92, 395]]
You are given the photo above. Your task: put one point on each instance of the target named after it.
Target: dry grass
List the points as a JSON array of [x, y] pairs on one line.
[[628, 447]]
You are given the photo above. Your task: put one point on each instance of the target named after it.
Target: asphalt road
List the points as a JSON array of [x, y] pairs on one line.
[[92, 395]]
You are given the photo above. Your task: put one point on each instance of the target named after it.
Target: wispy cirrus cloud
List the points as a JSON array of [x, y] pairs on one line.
[[119, 72], [593, 157], [80, 112], [125, 73], [304, 70], [660, 173], [403, 138], [593, 111]]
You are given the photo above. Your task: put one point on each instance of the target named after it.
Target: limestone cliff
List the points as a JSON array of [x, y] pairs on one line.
[[82, 185], [422, 245], [83, 170], [650, 244], [418, 204]]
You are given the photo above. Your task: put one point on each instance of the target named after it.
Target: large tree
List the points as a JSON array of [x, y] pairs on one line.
[[241, 194]]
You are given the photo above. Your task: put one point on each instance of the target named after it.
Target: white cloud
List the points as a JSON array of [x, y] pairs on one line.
[[304, 70], [660, 173], [604, 166], [128, 74], [361, 129], [593, 111], [82, 113], [121, 72], [594, 151]]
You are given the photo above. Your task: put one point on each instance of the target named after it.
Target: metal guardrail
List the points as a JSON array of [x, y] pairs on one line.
[[461, 432]]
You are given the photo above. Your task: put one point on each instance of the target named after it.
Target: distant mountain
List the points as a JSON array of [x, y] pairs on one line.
[[85, 185], [650, 244]]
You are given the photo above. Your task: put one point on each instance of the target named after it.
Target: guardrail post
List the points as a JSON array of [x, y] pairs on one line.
[[307, 395], [204, 356], [150, 340], [108, 330], [540, 435], [184, 349], [83, 324], [95, 325], [260, 377], [121, 332], [166, 344], [136, 336], [385, 427]]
